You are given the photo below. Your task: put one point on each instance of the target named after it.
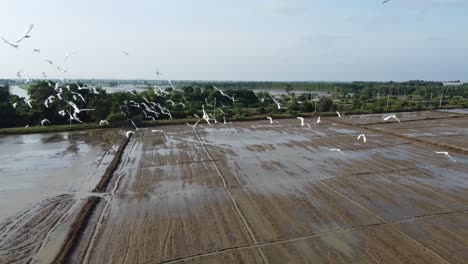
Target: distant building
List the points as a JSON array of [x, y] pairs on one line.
[[453, 83]]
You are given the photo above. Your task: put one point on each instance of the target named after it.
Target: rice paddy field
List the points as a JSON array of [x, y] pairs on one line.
[[247, 192]]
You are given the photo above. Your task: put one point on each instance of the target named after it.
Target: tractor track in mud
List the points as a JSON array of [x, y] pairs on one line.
[[80, 223], [238, 211], [282, 241]]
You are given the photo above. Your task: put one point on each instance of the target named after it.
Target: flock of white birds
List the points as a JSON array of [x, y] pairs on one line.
[[150, 109]]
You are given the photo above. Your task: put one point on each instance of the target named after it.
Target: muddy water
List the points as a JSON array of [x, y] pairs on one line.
[[43, 179], [37, 166]]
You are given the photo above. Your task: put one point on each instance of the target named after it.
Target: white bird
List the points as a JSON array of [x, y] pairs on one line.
[[26, 34], [182, 104], [337, 150], [26, 126], [79, 95], [223, 94], [162, 131], [207, 104], [129, 134], [302, 120], [271, 119], [94, 90], [133, 123], [385, 1], [193, 126], [59, 96], [10, 44], [339, 115], [125, 53], [18, 74], [446, 154], [318, 120], [44, 75], [14, 105], [205, 115], [49, 61], [44, 121], [276, 102], [62, 112], [170, 101], [76, 109], [103, 123], [81, 87], [392, 116], [29, 102], [46, 103], [363, 136], [36, 51]]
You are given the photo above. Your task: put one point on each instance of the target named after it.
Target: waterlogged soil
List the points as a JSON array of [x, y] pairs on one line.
[[43, 178], [255, 192]]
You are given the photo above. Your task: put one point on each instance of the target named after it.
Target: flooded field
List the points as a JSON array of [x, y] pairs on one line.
[[255, 192], [43, 178]]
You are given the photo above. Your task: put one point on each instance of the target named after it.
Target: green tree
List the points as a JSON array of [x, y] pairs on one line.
[[324, 104]]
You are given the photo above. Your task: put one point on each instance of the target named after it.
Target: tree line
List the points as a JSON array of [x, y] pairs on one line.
[[189, 100]]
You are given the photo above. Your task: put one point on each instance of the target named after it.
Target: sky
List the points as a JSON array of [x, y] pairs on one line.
[[250, 40]]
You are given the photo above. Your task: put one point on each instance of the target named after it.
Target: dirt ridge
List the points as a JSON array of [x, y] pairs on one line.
[[76, 229], [106, 178]]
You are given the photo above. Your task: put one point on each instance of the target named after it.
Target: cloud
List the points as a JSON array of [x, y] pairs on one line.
[[283, 7]]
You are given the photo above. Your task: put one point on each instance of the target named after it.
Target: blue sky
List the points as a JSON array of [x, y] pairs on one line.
[[290, 40]]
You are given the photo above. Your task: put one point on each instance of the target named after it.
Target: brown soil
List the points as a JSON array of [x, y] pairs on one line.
[[107, 177], [76, 229]]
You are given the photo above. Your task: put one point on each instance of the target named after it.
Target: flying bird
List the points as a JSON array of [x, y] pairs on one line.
[[302, 120], [158, 73], [18, 74], [223, 94], [337, 150], [9, 43], [318, 120], [45, 121], [446, 154], [125, 53], [129, 134], [133, 123], [49, 61], [276, 102], [26, 35], [385, 1], [103, 123], [14, 105], [363, 136], [193, 126], [170, 101], [392, 116], [29, 103], [79, 95], [339, 115], [36, 51]]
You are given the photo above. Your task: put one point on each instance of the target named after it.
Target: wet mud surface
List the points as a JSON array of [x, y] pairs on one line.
[[43, 180], [255, 192]]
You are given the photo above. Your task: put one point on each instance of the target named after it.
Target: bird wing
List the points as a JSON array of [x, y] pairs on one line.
[[25, 35], [9, 43]]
